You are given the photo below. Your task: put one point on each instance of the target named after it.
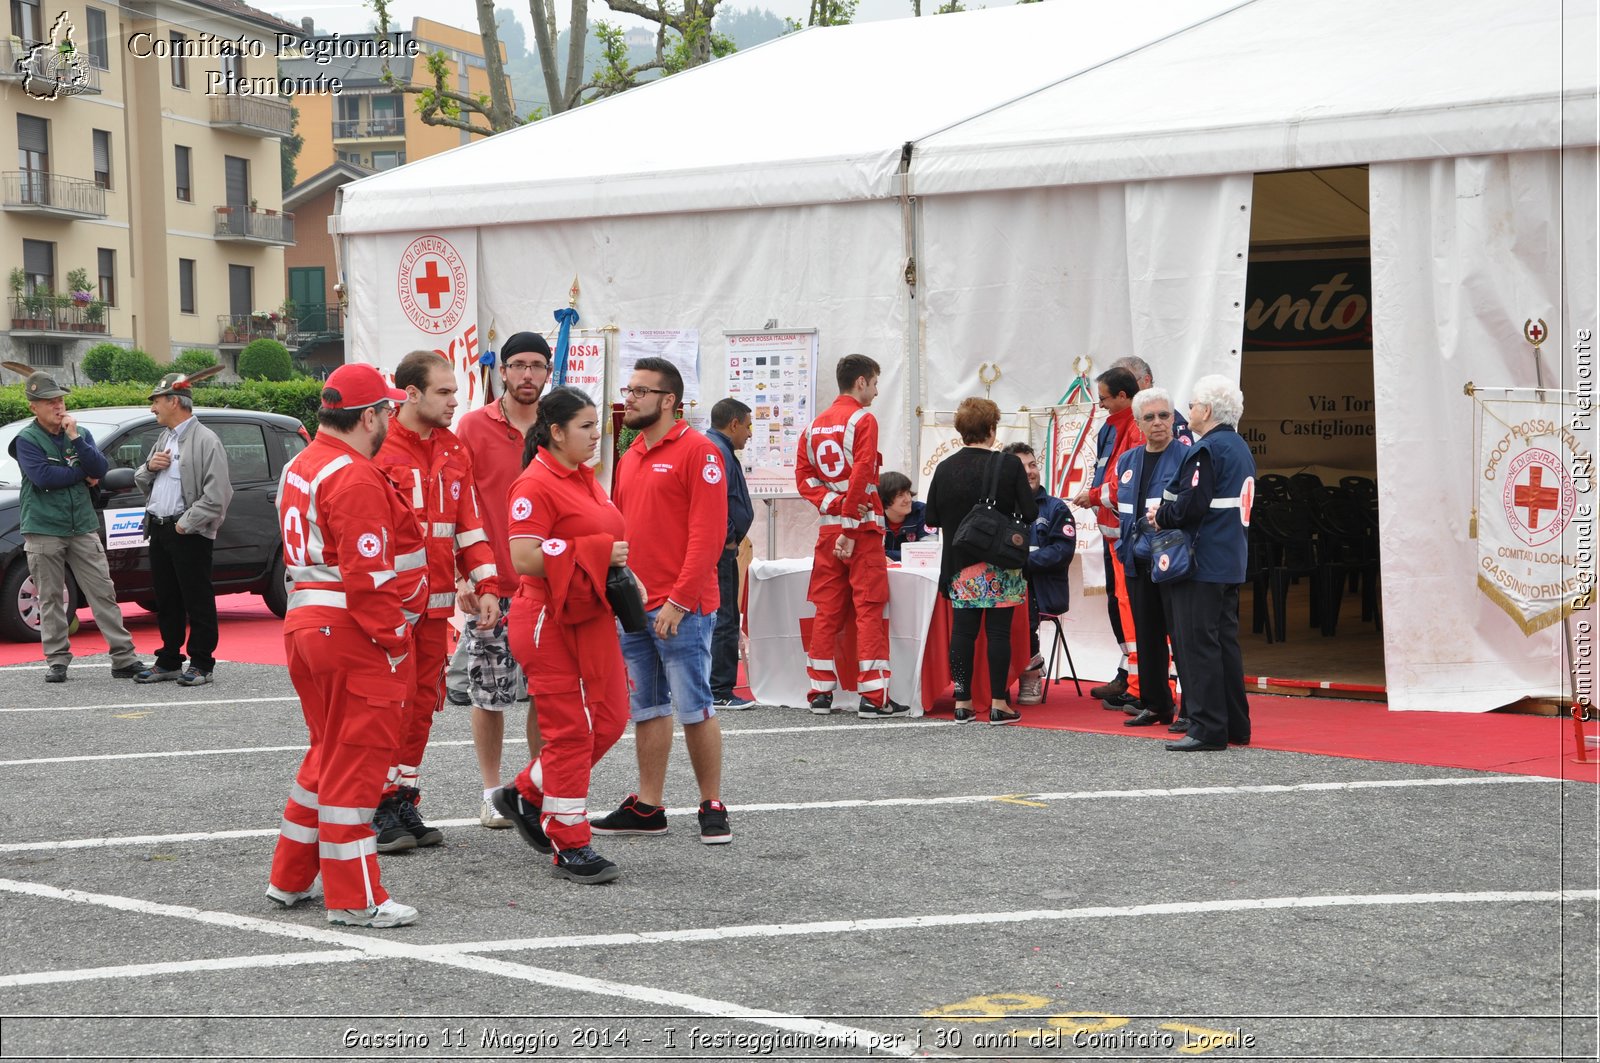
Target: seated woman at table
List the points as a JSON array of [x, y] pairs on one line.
[[902, 513], [979, 592]]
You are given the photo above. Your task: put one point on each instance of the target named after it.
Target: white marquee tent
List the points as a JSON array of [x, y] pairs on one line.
[[1071, 180]]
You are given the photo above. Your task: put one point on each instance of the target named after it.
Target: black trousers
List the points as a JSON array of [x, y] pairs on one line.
[[1150, 631], [1205, 636], [1113, 610], [964, 645], [186, 602], [725, 636]]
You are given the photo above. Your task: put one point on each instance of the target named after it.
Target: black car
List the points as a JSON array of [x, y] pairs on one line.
[[248, 555]]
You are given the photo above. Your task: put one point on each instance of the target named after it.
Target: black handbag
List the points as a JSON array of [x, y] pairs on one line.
[[990, 535], [1171, 556], [622, 591]]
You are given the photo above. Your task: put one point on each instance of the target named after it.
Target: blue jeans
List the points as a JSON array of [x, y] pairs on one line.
[[669, 676]]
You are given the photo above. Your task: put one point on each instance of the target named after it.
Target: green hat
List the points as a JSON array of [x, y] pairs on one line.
[[42, 385], [171, 384]]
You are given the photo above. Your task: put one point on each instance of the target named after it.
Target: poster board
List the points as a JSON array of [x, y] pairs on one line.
[[588, 352], [773, 373], [681, 347]]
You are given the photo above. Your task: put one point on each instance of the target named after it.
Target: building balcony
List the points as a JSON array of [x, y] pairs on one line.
[[44, 73], [369, 128], [45, 314], [51, 195], [313, 322], [248, 225], [253, 116], [236, 330]]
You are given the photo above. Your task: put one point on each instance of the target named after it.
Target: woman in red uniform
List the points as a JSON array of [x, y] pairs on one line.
[[565, 534]]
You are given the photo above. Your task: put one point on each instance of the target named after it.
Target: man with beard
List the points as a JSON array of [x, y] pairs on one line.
[[674, 506], [431, 469], [483, 673]]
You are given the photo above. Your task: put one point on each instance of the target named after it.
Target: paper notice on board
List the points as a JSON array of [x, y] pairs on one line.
[[772, 373], [681, 347]]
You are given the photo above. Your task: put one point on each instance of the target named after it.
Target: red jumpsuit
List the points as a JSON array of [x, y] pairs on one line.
[[1128, 436], [435, 476], [836, 469], [359, 580], [564, 635]]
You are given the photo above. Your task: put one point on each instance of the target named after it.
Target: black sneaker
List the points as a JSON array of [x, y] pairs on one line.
[[965, 715], [56, 673], [714, 829], [458, 697], [393, 834], [1004, 716], [889, 710], [128, 671], [406, 806], [821, 704], [632, 818], [584, 865], [524, 816]]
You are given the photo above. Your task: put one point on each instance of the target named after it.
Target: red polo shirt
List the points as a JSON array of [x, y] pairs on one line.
[[496, 449], [674, 498], [550, 501]]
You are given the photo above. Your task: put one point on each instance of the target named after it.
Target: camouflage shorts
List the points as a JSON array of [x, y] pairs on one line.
[[483, 667]]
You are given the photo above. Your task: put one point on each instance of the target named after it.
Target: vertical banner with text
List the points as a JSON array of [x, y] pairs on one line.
[[427, 299]]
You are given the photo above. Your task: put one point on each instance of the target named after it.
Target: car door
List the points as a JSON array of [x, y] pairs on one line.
[[128, 557], [248, 538]]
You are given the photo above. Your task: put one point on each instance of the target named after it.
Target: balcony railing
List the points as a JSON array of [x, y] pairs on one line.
[[43, 312], [42, 192], [368, 128], [315, 319], [252, 226], [46, 74], [251, 115], [236, 330]]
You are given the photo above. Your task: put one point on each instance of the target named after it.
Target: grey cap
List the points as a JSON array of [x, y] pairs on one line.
[[42, 385]]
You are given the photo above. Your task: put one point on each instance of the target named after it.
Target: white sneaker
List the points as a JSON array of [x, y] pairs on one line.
[[388, 914], [286, 899], [490, 816]]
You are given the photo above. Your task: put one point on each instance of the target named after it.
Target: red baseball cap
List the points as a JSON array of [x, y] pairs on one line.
[[355, 386]]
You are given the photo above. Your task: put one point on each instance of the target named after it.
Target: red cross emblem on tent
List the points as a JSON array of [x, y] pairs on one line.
[[433, 285], [1539, 496], [1535, 332]]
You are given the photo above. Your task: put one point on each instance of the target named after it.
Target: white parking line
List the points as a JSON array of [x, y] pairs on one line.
[[883, 802], [145, 970], [394, 947], [147, 704]]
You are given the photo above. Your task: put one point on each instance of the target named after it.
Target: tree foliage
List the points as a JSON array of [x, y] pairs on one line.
[[99, 360], [265, 359], [135, 366], [437, 103], [193, 360], [290, 149]]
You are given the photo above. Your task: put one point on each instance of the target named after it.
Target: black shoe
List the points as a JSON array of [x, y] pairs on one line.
[[584, 865], [128, 671], [393, 834], [821, 704], [714, 829], [1123, 703], [458, 697], [966, 715], [1193, 745], [56, 673], [998, 717], [890, 709], [1146, 718], [524, 816], [1115, 688], [1180, 726], [1239, 741], [407, 807], [632, 818]]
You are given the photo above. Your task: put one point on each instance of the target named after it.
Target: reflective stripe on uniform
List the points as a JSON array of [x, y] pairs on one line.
[[367, 846], [407, 562], [336, 599], [442, 600], [481, 573], [349, 816], [297, 832], [302, 797], [471, 538], [442, 530]]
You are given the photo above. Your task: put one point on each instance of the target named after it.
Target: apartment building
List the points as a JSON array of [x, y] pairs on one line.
[[136, 165], [371, 125]]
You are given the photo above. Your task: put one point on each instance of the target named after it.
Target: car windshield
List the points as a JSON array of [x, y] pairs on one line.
[[11, 472]]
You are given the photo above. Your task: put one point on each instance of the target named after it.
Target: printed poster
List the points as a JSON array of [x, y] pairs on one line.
[[773, 374], [681, 347]]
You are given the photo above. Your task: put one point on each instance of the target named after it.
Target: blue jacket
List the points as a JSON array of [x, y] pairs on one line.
[[1130, 510], [911, 530], [1210, 499], [1054, 539], [741, 511]]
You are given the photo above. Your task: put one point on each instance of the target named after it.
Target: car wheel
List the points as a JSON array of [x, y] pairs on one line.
[[19, 606], [276, 593]]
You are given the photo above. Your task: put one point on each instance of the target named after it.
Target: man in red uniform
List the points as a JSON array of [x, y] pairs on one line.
[[837, 471], [359, 580], [431, 469], [483, 673], [674, 502]]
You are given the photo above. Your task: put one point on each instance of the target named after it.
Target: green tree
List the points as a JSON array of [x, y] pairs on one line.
[[439, 104], [290, 149], [193, 360], [265, 359], [135, 366], [98, 361]]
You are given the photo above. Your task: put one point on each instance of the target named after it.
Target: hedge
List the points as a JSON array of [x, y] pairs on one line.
[[297, 398], [265, 359]]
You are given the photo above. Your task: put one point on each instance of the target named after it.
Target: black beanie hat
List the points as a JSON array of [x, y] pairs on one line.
[[524, 343]]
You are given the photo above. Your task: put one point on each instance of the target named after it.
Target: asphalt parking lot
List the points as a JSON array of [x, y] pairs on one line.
[[894, 889]]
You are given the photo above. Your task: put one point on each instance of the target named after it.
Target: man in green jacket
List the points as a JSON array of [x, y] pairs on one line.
[[60, 526]]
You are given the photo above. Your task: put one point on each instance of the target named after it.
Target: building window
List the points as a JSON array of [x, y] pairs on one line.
[[45, 354], [388, 160], [180, 65], [180, 158], [102, 158], [99, 50], [108, 276], [25, 21], [230, 66], [186, 285], [39, 263]]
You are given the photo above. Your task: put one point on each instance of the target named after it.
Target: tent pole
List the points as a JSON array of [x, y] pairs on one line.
[[911, 234]]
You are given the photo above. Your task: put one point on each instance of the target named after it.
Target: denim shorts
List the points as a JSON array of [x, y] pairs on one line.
[[667, 676]]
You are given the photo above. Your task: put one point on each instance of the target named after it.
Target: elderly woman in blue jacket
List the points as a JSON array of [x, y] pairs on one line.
[[1053, 541]]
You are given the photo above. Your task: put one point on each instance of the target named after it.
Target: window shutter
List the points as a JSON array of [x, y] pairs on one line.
[[33, 134]]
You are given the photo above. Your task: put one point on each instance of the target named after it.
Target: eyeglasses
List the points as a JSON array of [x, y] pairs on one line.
[[640, 393], [527, 367], [1164, 415]]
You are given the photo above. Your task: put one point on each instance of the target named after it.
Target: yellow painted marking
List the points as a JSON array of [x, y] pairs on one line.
[[1016, 799], [988, 1008], [131, 715], [1198, 1040]]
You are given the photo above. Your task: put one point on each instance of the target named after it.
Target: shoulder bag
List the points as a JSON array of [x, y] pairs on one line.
[[990, 535], [1171, 556]]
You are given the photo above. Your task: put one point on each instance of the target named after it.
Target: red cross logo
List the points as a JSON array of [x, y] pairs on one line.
[[431, 285], [1535, 497], [1539, 498], [1535, 332]]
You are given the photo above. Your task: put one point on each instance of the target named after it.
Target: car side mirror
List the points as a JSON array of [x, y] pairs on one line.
[[117, 480]]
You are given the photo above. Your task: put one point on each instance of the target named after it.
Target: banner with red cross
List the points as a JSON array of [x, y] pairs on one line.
[[1535, 495], [424, 293]]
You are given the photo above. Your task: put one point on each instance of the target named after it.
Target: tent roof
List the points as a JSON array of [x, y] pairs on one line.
[[813, 117], [1283, 84]]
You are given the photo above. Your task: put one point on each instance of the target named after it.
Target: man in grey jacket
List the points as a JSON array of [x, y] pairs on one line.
[[185, 480]]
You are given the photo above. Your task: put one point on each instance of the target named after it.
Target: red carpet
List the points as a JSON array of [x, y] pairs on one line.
[[1364, 730]]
